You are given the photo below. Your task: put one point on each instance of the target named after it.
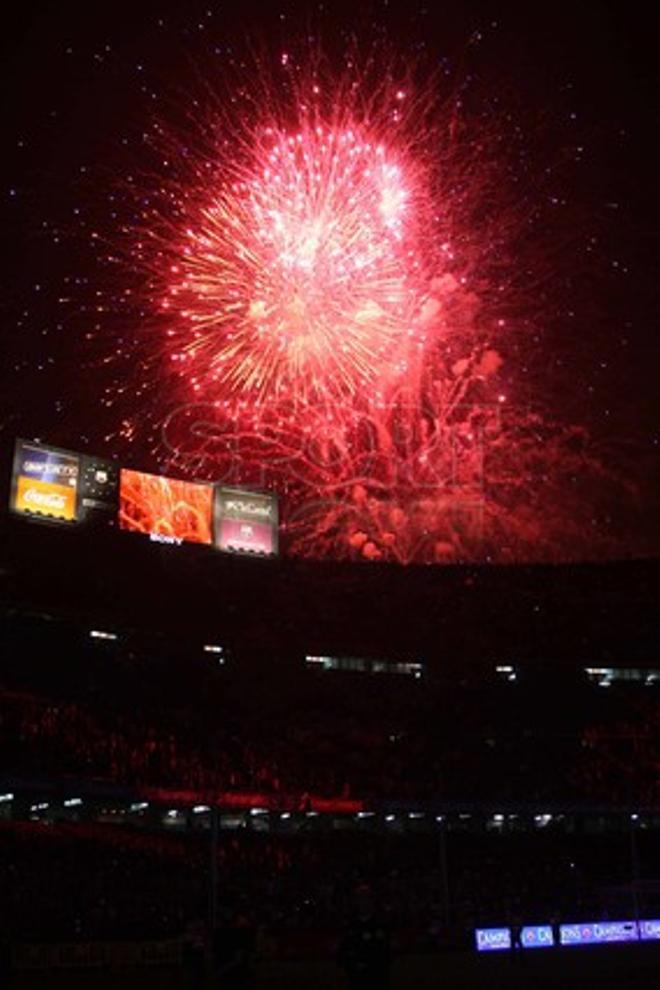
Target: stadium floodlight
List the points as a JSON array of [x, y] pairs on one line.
[[72, 802], [5, 798], [42, 806], [102, 634], [415, 814], [258, 811], [285, 815], [390, 818], [212, 648], [365, 814], [199, 809], [139, 806]]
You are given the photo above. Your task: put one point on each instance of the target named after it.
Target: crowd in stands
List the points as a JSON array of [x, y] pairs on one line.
[[354, 735], [136, 723]]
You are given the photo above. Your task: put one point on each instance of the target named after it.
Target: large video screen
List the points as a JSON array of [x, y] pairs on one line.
[[246, 522], [166, 510], [45, 482]]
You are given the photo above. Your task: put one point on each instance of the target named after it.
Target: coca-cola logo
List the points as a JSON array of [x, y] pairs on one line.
[[45, 500]]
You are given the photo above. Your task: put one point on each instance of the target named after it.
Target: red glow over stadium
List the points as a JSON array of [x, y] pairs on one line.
[[340, 299]]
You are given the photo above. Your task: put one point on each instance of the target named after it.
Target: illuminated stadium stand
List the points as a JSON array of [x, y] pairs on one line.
[[606, 676], [367, 665]]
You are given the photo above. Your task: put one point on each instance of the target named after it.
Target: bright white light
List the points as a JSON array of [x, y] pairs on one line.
[[390, 818], [140, 806], [102, 634], [4, 798], [212, 648], [72, 802], [199, 809], [258, 811], [39, 807]]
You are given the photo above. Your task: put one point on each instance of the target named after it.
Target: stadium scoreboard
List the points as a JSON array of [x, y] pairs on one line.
[[53, 485]]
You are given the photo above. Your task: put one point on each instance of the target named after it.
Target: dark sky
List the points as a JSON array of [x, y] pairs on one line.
[[77, 77]]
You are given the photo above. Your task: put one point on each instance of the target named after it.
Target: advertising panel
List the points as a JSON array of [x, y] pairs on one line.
[[98, 483], [597, 932], [649, 930], [580, 933], [246, 522], [45, 482], [493, 939], [537, 937], [166, 510]]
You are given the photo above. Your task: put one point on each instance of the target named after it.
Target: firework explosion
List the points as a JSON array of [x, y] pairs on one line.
[[299, 279], [332, 277]]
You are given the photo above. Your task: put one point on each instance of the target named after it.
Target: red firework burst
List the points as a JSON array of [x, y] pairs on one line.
[[300, 278]]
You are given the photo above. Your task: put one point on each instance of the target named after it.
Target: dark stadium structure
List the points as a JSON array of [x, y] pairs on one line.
[[432, 750]]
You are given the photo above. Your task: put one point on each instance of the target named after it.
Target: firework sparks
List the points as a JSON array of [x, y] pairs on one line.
[[332, 286], [300, 279]]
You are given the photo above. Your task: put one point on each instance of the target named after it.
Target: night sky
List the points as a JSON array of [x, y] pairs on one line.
[[582, 81]]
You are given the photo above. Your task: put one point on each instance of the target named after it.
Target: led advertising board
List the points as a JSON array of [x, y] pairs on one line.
[[166, 510], [45, 482], [246, 522], [51, 484], [649, 930], [537, 937], [597, 932], [492, 939]]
